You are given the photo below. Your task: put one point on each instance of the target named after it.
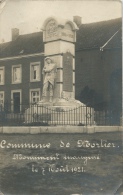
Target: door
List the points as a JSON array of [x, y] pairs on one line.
[[16, 102]]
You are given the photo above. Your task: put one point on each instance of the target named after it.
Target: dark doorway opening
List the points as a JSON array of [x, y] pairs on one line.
[[16, 102]]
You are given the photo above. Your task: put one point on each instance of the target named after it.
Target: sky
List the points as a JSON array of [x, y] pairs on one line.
[[29, 15]]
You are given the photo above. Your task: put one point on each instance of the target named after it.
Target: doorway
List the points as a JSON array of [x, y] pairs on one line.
[[16, 101]]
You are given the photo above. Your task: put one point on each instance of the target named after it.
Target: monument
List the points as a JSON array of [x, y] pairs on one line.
[[58, 94], [49, 72], [59, 38]]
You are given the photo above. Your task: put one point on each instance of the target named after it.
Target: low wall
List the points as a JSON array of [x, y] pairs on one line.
[[59, 129]]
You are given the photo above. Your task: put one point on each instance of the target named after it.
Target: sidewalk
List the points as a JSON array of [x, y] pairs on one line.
[[59, 129]]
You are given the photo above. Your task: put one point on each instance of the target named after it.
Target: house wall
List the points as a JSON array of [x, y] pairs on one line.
[[88, 72], [96, 69], [25, 85], [112, 78]]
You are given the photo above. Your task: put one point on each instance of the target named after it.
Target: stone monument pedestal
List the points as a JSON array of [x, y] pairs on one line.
[[61, 112]]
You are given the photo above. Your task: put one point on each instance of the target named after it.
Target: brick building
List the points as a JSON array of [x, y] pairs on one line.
[[98, 66], [99, 63], [21, 62]]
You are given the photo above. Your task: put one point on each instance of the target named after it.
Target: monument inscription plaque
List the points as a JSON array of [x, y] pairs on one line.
[[67, 72]]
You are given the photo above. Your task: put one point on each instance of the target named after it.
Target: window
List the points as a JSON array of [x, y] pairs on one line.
[[1, 75], [34, 95], [1, 99], [16, 74], [35, 71]]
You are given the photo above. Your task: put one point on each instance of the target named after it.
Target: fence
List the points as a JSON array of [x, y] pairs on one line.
[[35, 115]]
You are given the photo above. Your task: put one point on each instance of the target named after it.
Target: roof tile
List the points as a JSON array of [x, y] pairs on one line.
[[93, 35], [24, 44]]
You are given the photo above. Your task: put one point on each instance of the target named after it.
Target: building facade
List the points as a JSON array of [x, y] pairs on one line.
[[98, 67], [99, 64]]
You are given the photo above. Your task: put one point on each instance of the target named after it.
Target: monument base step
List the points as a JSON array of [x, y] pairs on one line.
[[62, 103]]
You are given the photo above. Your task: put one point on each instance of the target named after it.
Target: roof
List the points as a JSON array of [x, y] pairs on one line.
[[23, 45], [4, 45], [115, 42], [106, 34], [95, 35]]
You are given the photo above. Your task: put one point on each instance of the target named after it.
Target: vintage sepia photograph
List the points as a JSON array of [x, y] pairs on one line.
[[61, 119]]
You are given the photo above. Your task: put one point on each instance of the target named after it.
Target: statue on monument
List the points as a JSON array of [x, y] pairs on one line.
[[49, 72]]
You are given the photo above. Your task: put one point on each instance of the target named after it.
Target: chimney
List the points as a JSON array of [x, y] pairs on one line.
[[77, 20], [15, 33]]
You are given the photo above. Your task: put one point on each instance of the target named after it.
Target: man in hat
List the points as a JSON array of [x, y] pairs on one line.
[[49, 72]]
